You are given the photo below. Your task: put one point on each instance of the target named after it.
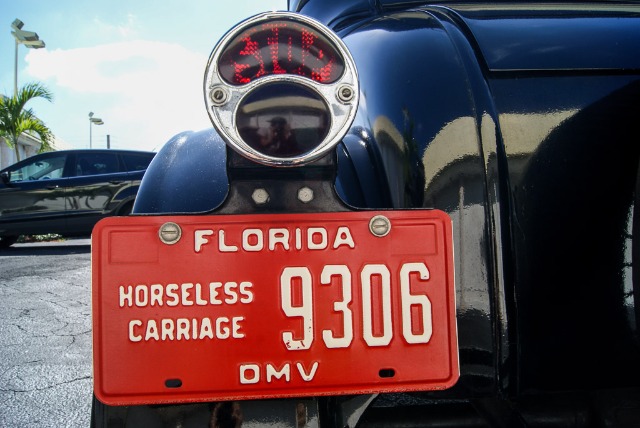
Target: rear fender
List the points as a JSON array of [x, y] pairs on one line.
[[187, 176]]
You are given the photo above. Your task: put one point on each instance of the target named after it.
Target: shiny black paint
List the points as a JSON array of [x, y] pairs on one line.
[[521, 122], [71, 204]]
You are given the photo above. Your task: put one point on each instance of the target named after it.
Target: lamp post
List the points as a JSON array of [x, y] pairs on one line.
[[93, 121], [28, 38]]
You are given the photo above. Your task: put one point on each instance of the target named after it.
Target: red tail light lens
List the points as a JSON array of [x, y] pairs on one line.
[[280, 47]]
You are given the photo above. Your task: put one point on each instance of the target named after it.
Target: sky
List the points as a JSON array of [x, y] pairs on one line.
[[137, 64]]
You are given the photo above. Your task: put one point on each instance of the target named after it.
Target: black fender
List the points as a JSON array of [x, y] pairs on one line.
[[188, 175]]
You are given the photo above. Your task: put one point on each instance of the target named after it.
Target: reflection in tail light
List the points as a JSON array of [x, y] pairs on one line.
[[283, 120]]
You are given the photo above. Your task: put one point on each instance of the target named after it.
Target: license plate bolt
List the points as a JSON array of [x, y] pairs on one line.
[[379, 226], [170, 233]]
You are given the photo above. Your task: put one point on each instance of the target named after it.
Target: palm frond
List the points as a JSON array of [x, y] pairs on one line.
[[16, 119]]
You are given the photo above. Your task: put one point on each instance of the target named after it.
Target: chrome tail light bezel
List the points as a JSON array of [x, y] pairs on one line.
[[224, 99]]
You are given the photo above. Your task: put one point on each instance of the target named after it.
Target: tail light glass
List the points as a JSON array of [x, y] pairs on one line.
[[280, 47], [283, 120]]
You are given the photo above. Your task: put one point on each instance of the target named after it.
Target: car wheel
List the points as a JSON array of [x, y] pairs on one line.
[[7, 241]]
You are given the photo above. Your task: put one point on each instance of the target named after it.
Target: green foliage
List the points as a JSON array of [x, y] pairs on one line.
[[39, 238], [16, 119]]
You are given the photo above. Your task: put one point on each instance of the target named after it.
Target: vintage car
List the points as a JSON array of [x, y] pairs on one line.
[[407, 214], [66, 192]]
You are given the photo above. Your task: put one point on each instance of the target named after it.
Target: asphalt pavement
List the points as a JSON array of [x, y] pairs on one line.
[[45, 334]]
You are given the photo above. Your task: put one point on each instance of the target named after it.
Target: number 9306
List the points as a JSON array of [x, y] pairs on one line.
[[412, 334]]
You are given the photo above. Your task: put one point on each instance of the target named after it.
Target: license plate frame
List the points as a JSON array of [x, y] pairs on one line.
[[258, 281]]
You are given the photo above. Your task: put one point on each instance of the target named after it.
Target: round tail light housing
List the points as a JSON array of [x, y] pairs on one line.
[[281, 89]]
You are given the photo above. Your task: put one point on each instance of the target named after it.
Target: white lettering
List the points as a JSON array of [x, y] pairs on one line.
[[167, 329], [172, 294], [307, 377], [304, 311], [152, 331], [247, 245], [186, 295], [141, 295], [278, 236], [383, 273], [247, 294], [235, 327], [312, 234], [200, 238], [343, 273], [251, 373], [206, 329], [254, 368], [416, 300], [222, 331], [273, 372], [343, 237], [223, 247], [298, 238], [186, 329], [199, 300], [213, 293], [132, 336], [156, 294], [182, 328], [126, 297], [230, 291]]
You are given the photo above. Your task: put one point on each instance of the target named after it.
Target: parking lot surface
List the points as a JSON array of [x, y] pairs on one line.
[[45, 332]]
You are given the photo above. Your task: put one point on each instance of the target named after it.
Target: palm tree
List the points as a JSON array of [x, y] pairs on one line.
[[15, 119]]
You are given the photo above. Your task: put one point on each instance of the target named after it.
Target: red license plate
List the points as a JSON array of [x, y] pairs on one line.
[[263, 306]]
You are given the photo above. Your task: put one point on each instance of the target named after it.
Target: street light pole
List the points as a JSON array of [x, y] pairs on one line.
[[93, 121], [28, 38]]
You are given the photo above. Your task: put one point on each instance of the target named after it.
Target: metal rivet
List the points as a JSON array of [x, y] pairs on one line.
[[260, 196], [345, 93], [218, 95], [380, 226], [170, 233], [305, 195]]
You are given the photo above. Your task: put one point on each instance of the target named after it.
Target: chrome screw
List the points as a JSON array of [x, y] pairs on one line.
[[305, 195], [260, 196], [380, 226], [345, 94], [170, 233], [219, 95]]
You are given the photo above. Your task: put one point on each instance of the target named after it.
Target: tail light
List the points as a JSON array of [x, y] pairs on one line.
[[281, 89]]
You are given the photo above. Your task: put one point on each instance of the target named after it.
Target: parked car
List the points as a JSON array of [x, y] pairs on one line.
[[67, 192], [276, 281]]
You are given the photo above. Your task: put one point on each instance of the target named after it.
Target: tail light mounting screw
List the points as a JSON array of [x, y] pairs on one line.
[[219, 95], [305, 195], [345, 94], [260, 196]]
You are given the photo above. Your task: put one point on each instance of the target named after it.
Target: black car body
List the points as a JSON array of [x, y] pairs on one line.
[[521, 122], [67, 192]]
